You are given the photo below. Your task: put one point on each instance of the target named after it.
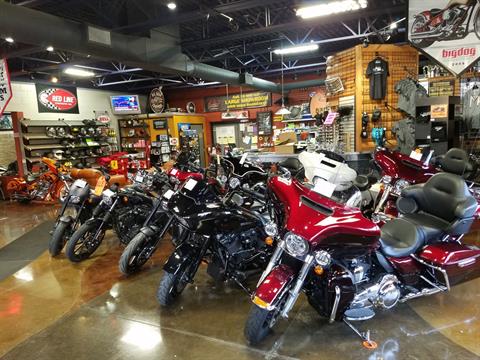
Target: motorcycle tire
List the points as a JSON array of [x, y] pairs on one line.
[[258, 324], [420, 43], [476, 23], [132, 260], [77, 250], [171, 286], [59, 238], [133, 223]]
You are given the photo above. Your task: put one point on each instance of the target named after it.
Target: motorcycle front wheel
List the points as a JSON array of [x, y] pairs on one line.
[[135, 255], [59, 238], [259, 323], [171, 286], [83, 242]]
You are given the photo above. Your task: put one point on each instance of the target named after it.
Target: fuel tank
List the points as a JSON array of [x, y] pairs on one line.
[[321, 220]]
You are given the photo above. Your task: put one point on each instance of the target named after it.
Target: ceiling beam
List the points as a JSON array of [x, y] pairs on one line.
[[334, 19]]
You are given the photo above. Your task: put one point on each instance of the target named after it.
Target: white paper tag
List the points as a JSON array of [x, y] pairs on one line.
[[416, 155], [244, 157], [168, 194], [190, 184], [324, 187], [139, 178], [218, 159], [80, 183], [173, 172], [108, 193]]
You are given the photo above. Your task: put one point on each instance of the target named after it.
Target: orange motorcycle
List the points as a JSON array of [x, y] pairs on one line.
[[50, 186]]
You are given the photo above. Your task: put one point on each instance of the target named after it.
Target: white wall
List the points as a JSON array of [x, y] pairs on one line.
[[25, 100]]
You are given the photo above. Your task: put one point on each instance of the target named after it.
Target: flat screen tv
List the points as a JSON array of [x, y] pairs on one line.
[[125, 104]]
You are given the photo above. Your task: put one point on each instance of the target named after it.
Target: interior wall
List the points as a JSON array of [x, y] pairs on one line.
[[24, 100]]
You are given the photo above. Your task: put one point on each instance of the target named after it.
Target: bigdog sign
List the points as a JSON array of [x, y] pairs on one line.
[[447, 30], [57, 99], [5, 87]]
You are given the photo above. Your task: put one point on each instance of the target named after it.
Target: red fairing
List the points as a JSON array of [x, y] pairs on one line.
[[184, 175], [274, 283], [342, 223], [400, 166], [461, 262]]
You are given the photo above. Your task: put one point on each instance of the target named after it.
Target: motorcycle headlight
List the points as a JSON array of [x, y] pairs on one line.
[[400, 185], [107, 197], [386, 180], [234, 183], [323, 258], [296, 245], [271, 229], [75, 199]]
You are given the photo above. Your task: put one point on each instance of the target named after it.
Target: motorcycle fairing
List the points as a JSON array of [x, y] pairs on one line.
[[398, 165], [184, 175], [315, 217]]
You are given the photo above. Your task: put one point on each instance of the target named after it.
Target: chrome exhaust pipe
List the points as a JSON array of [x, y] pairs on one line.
[[425, 35]]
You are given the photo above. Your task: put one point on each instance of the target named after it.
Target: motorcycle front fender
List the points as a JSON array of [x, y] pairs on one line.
[[150, 231], [268, 293], [66, 219], [184, 252], [94, 221]]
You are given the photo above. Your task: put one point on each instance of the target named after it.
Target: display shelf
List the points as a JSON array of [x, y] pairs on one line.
[[60, 146]]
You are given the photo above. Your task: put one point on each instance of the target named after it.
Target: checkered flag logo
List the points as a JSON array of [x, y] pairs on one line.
[[43, 97]]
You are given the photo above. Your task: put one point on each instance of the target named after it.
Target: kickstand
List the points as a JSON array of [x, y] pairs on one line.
[[247, 290], [365, 336]]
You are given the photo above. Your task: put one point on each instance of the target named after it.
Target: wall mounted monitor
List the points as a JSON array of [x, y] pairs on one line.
[[125, 104]]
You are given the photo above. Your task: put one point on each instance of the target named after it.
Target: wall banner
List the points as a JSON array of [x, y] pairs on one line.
[[449, 34], [235, 101], [57, 99], [5, 86]]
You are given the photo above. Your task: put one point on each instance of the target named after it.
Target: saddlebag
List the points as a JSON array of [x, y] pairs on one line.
[[461, 262]]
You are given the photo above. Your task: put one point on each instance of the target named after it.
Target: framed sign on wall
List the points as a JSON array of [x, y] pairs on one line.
[[264, 122], [56, 99]]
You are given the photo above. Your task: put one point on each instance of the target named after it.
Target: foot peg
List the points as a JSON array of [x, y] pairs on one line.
[[365, 336], [359, 314]]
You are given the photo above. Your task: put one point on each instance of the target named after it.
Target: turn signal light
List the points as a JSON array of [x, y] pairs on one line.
[[259, 302], [90, 200], [318, 270], [125, 199], [269, 241]]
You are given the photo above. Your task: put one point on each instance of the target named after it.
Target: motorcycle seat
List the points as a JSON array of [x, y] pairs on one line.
[[456, 161], [435, 12], [443, 206]]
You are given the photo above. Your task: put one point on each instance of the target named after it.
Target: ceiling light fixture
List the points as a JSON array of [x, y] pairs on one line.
[[332, 7], [54, 79], [171, 5], [283, 110], [50, 48], [9, 40], [296, 49], [78, 72]]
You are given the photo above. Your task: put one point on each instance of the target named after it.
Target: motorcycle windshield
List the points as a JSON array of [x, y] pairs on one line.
[[316, 217]]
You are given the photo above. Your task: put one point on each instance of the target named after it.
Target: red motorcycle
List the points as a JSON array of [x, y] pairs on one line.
[[399, 171], [451, 23], [348, 267]]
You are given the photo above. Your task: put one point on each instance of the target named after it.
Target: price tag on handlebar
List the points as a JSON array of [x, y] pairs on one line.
[[190, 184], [173, 172], [168, 194], [244, 157], [324, 187], [101, 182], [139, 178], [218, 159], [80, 183]]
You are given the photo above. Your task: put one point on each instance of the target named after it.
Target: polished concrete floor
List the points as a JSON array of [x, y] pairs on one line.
[[52, 309]]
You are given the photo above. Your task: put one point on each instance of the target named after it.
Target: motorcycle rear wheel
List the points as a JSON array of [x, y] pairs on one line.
[[259, 324], [171, 286], [59, 238], [476, 23], [134, 257], [82, 244], [423, 43]]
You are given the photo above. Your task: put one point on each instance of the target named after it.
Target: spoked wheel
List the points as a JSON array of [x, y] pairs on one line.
[[476, 23], [59, 238], [83, 242], [259, 323], [135, 254], [420, 22], [171, 286]]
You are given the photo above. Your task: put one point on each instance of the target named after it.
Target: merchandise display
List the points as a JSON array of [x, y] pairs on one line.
[[240, 180]]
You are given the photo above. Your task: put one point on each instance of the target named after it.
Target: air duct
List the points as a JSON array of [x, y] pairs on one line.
[[159, 53]]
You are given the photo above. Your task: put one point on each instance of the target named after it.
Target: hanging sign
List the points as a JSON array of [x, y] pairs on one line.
[[5, 86], [57, 99], [238, 101], [157, 100], [449, 34]]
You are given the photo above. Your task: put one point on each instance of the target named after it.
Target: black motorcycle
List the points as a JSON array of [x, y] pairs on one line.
[[124, 210], [232, 239], [81, 199]]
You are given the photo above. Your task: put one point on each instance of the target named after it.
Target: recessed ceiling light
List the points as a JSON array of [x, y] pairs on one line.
[[78, 72], [50, 48], [54, 79], [171, 5], [9, 39]]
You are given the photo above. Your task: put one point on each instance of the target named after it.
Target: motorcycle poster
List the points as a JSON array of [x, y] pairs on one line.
[[446, 30]]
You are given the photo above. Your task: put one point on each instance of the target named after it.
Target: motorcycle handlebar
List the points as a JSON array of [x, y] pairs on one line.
[[255, 194]]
